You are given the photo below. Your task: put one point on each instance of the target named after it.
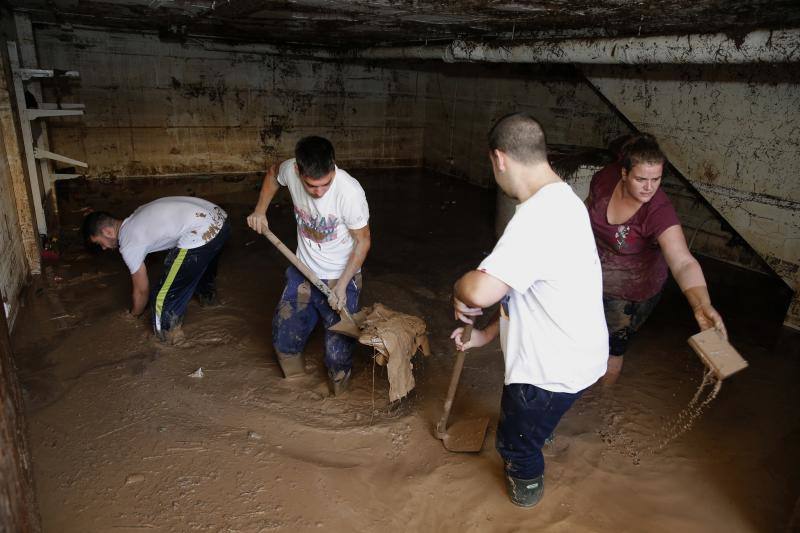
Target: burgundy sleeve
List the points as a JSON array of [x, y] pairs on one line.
[[660, 215]]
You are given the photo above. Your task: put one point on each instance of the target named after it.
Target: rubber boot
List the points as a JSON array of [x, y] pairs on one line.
[[525, 492], [340, 382], [292, 365]]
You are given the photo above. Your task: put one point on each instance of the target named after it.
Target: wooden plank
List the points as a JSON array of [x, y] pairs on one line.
[[18, 509], [717, 353], [16, 167], [27, 142]]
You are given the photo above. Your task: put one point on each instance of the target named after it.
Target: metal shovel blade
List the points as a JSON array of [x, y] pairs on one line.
[[465, 435], [348, 326]]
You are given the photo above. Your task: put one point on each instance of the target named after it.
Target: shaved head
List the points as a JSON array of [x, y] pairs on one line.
[[520, 136]]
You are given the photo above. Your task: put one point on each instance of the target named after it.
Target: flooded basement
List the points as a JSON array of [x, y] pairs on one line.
[[124, 439]]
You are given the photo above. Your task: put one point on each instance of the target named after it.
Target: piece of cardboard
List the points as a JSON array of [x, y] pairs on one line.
[[717, 353]]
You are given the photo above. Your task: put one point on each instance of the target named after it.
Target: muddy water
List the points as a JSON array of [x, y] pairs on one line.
[[124, 440]]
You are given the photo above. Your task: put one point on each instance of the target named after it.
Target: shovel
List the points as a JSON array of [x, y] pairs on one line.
[[347, 325], [465, 435]]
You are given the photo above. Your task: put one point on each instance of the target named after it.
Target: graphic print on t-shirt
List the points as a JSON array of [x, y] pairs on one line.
[[316, 228], [621, 236]]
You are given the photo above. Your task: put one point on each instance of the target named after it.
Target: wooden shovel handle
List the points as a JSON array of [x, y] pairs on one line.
[[441, 427], [307, 272]]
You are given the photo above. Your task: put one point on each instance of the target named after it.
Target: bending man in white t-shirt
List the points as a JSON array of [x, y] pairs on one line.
[[332, 240], [193, 229], [546, 273]]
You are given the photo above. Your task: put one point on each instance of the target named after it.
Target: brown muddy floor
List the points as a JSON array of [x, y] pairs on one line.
[[124, 440]]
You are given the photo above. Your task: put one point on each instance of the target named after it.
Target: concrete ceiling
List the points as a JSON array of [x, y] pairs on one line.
[[364, 23]]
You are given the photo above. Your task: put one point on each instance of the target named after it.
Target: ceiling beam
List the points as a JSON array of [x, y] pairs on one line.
[[761, 46]]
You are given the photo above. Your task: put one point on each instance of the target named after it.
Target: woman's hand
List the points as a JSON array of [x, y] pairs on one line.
[[707, 317]]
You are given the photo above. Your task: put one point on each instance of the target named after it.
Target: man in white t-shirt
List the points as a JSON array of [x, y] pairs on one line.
[[546, 274], [333, 239], [193, 229]]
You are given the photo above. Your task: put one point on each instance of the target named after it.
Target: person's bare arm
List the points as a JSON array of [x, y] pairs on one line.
[[363, 241], [689, 276], [257, 220], [476, 290], [473, 292], [140, 292]]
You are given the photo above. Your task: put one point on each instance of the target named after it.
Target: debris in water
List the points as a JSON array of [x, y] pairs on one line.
[[134, 478], [616, 439], [197, 373]]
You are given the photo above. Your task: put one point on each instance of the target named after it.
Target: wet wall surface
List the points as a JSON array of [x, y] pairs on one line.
[[730, 131], [201, 107]]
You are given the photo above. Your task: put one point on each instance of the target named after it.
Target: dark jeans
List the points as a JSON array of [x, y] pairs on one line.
[[300, 308], [624, 318], [528, 415], [186, 272]]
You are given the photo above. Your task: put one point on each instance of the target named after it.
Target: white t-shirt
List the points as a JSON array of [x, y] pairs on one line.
[[324, 243], [170, 222], [555, 336]]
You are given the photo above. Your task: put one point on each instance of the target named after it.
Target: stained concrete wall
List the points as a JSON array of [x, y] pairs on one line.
[[732, 132], [155, 107], [463, 101]]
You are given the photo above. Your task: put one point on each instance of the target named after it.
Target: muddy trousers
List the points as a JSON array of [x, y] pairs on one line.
[[528, 415], [301, 306], [624, 318], [186, 272]]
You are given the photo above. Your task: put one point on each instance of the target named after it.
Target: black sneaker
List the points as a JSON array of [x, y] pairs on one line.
[[525, 492]]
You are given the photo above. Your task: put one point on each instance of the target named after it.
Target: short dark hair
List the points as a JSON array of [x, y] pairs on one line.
[[520, 136], [314, 156], [641, 148], [93, 224]]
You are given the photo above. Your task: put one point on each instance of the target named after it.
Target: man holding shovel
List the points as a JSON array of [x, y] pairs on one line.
[[333, 239], [546, 273]]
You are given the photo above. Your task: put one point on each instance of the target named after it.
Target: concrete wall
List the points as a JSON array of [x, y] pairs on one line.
[[154, 107], [157, 108], [732, 132], [463, 101]]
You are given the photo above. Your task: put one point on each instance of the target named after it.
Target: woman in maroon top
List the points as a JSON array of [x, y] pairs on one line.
[[638, 237]]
